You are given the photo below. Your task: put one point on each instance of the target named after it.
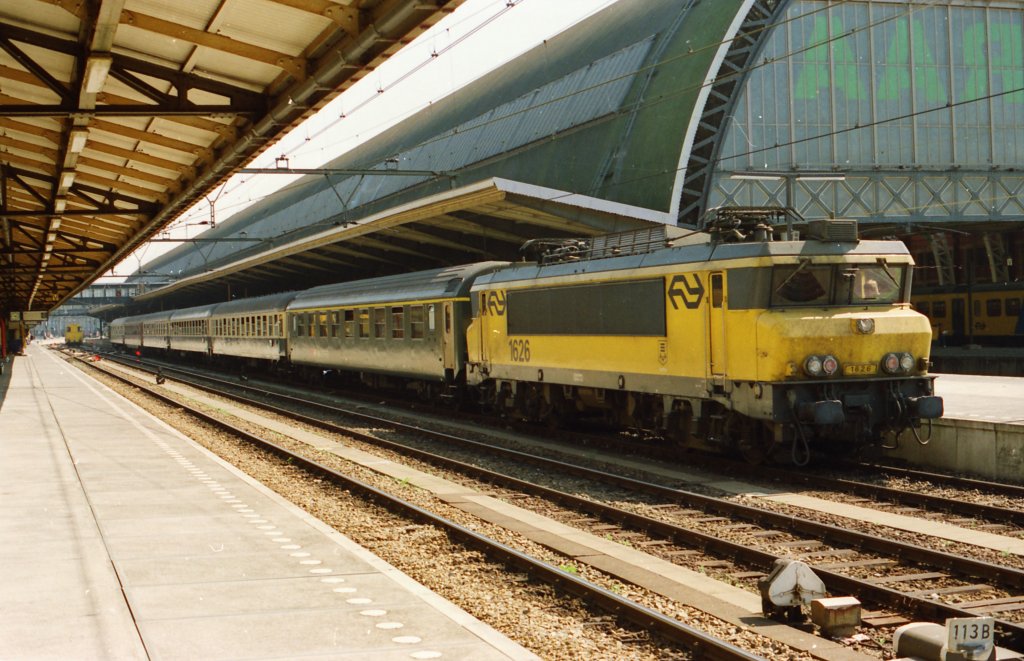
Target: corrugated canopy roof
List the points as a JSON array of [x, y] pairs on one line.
[[116, 115], [479, 222]]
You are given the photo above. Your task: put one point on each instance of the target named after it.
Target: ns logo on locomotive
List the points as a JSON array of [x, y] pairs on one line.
[[731, 338]]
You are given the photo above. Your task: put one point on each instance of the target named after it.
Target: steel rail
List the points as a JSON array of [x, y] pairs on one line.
[[703, 645], [1000, 488], [931, 502]]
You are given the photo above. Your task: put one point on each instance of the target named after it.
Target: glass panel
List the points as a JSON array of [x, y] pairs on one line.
[[869, 285], [970, 85], [364, 323], [379, 322], [397, 323], [416, 322], [809, 285], [350, 323]]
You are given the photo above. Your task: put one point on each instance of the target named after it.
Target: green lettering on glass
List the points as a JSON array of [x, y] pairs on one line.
[[1006, 47], [895, 82], [814, 74]]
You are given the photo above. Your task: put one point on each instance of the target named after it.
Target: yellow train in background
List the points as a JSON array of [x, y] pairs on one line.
[[988, 314], [73, 335]]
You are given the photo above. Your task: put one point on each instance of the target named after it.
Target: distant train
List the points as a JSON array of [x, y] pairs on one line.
[[988, 314], [73, 335], [728, 339]]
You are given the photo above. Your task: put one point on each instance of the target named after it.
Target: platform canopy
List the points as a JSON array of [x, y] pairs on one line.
[[117, 115], [490, 219]]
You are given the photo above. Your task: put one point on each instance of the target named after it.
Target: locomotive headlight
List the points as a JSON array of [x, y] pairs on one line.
[[891, 363], [865, 326], [812, 365], [906, 362], [829, 365]]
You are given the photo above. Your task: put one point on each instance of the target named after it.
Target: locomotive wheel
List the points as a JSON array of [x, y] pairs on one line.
[[750, 439]]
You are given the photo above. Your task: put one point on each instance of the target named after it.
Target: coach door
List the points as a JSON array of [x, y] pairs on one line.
[[448, 338], [716, 328]]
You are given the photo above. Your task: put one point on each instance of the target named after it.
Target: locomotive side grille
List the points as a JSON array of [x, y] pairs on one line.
[[628, 243]]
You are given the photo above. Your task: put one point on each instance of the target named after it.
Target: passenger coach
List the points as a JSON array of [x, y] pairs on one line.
[[410, 326]]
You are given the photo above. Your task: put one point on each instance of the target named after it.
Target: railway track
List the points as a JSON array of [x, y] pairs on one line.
[[702, 645], [921, 602], [990, 514]]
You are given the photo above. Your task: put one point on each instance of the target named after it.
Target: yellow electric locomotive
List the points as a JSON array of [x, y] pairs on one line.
[[727, 336], [73, 335]]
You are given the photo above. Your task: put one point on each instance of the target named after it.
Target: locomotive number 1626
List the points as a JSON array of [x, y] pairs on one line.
[[519, 351]]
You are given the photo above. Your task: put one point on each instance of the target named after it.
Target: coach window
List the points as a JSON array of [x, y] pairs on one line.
[[350, 323], [323, 324], [380, 320], [431, 323], [994, 307], [364, 323], [397, 323], [1012, 307], [939, 309], [416, 322], [924, 308], [335, 324]]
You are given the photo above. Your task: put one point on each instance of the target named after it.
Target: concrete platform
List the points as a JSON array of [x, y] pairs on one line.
[[125, 540], [982, 432]]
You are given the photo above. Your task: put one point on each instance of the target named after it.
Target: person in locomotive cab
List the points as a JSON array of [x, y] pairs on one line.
[[870, 290]]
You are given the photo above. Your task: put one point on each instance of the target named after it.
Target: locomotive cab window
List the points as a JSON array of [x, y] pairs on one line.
[[842, 284], [994, 307], [801, 285]]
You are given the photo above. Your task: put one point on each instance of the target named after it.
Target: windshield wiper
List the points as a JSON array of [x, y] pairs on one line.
[[803, 264]]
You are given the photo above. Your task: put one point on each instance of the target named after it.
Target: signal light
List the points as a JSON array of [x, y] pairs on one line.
[[898, 363], [829, 365], [891, 363]]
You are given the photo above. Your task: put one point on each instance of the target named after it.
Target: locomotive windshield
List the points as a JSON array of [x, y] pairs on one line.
[[842, 284]]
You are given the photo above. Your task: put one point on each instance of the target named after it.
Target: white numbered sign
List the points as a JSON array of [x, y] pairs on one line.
[[972, 636]]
